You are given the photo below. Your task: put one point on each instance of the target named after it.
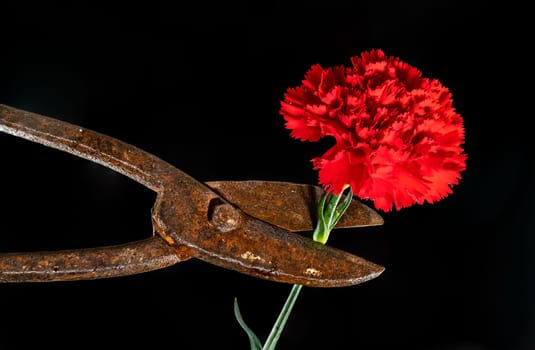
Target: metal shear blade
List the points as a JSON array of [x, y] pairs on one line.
[[246, 226]]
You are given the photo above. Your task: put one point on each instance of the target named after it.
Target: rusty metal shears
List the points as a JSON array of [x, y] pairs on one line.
[[246, 226]]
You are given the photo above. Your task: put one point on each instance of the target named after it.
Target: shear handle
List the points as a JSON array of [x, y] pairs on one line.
[[119, 156], [91, 263]]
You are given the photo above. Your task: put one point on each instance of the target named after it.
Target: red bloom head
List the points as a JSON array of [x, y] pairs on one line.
[[398, 137]]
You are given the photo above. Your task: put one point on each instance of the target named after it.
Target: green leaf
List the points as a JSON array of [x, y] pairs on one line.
[[253, 339]]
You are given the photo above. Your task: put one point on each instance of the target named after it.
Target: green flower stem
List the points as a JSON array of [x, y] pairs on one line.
[[276, 331], [328, 217]]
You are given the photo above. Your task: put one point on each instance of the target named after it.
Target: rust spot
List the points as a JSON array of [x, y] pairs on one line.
[[312, 272]]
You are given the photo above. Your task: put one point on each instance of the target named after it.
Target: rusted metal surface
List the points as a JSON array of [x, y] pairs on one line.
[[292, 207], [103, 262], [121, 157], [243, 226], [237, 241]]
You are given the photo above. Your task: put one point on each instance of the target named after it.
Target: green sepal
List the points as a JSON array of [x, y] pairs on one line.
[[342, 208], [328, 216], [321, 229]]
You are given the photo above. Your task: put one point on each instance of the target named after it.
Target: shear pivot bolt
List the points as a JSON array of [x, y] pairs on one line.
[[224, 216]]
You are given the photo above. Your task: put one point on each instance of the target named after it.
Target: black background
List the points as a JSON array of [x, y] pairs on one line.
[[199, 85]]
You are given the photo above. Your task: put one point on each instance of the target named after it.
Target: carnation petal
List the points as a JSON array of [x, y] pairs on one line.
[[399, 141], [339, 168]]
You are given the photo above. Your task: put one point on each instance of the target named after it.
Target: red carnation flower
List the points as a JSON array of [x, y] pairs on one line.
[[398, 138]]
